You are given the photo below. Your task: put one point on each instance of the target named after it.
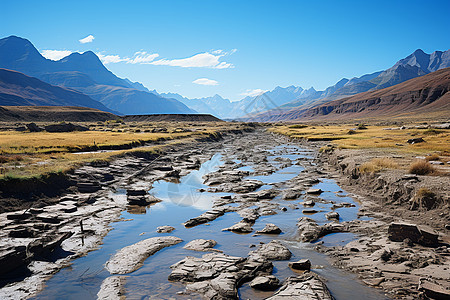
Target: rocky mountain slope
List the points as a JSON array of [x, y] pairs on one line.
[[425, 94], [18, 89], [85, 73]]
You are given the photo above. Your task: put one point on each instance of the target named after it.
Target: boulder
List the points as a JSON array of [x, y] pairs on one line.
[[310, 231], [165, 229], [131, 258], [265, 283], [241, 227], [308, 286], [273, 250], [302, 264], [32, 127], [132, 192], [398, 232], [434, 290], [201, 245], [332, 215], [270, 229], [415, 141], [65, 127], [112, 288], [13, 258], [206, 217], [45, 245], [314, 191]]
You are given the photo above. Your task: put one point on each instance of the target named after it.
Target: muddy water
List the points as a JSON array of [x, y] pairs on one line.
[[186, 199]]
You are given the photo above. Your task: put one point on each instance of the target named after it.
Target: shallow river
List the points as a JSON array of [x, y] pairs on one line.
[[182, 201]]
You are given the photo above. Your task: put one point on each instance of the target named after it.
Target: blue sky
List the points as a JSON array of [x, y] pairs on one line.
[[233, 48]]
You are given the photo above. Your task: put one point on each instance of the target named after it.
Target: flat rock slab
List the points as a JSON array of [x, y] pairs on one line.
[[398, 232], [270, 229], [206, 217], [274, 250], [217, 275], [308, 286], [132, 257], [112, 288], [165, 229], [302, 264], [241, 227], [265, 283], [310, 231], [201, 245]]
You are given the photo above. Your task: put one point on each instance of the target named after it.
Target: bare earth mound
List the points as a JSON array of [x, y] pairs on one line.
[[172, 117], [53, 114]]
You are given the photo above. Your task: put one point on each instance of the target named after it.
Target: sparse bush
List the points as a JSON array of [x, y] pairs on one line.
[[361, 126], [3, 159], [424, 198], [298, 126], [378, 164], [351, 131], [434, 156], [432, 131], [326, 149], [421, 167]]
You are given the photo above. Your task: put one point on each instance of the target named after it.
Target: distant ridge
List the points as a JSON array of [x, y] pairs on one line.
[[422, 95], [53, 114], [171, 118], [19, 89]]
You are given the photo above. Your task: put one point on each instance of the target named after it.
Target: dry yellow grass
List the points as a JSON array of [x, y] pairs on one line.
[[372, 137], [26, 154], [378, 164]]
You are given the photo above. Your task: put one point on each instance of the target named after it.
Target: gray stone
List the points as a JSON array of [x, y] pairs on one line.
[[131, 258], [332, 215], [302, 264], [270, 229], [265, 283], [417, 234], [201, 245], [308, 286], [241, 227], [217, 275], [165, 229], [273, 250], [112, 288]]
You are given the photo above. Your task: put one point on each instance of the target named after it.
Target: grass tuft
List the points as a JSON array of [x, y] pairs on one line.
[[378, 164], [421, 167]]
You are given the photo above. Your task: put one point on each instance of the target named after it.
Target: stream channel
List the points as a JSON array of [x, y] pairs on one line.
[[181, 201]]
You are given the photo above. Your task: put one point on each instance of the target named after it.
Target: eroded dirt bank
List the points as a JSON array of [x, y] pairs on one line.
[[404, 248]]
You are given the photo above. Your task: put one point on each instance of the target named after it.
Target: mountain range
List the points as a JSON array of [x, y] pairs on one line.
[[421, 95], [90, 83], [85, 73]]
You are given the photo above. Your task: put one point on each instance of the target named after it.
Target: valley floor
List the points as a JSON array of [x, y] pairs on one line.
[[256, 202]]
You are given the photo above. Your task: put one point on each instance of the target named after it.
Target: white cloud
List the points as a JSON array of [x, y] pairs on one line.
[[201, 60], [108, 59], [253, 93], [55, 54], [205, 81], [87, 39], [142, 57]]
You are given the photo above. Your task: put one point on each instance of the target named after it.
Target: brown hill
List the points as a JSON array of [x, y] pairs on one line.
[[19, 89], [53, 114], [172, 117], [429, 94]]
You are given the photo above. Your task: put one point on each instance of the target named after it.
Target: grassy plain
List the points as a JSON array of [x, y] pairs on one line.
[[32, 154], [374, 136]]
